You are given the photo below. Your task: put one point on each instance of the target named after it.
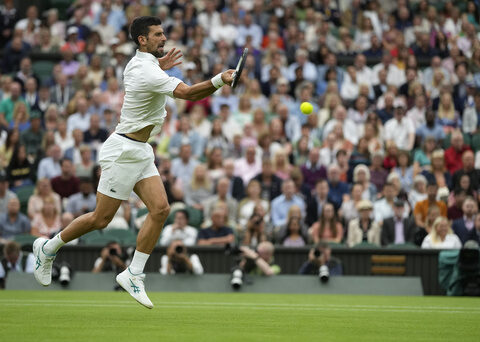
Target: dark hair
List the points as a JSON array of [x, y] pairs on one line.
[[63, 160], [141, 26], [184, 212]]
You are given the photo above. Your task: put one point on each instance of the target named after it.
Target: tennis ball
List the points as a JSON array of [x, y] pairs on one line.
[[306, 108]]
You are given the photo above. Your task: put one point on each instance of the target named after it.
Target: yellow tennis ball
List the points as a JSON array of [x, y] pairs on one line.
[[306, 108]]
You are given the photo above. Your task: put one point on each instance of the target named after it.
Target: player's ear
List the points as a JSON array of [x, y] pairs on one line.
[[142, 39]]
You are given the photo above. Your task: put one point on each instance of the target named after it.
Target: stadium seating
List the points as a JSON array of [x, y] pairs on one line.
[[43, 69], [23, 194]]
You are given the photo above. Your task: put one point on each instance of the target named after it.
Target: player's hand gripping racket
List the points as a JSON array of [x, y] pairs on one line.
[[239, 68]]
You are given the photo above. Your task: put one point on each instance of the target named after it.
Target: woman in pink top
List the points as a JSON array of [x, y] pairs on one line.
[[47, 222], [42, 191], [328, 227]]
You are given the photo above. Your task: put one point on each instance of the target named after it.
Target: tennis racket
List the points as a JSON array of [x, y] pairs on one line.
[[239, 68]]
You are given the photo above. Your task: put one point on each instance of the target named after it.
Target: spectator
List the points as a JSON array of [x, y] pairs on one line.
[[67, 183], [111, 259], [281, 204], [348, 211], [81, 119], [85, 166], [14, 260], [20, 170], [404, 170], [378, 174], [47, 222], [398, 229], [49, 167], [95, 136], [419, 190], [400, 129], [6, 149], [337, 188], [222, 195], [468, 169], [247, 204], [83, 201], [383, 208], [183, 165], [43, 191], [13, 222], [199, 188], [322, 257], [453, 155], [73, 152], [8, 105], [178, 261], [254, 231], [464, 226], [271, 184], [179, 230], [363, 228], [249, 166], [421, 208], [362, 176], [455, 209], [218, 233], [186, 135], [260, 262], [438, 172], [5, 194], [293, 236], [441, 236], [475, 233], [313, 168], [328, 227], [236, 183], [15, 50]]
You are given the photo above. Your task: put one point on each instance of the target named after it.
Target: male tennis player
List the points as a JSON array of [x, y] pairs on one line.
[[127, 159]]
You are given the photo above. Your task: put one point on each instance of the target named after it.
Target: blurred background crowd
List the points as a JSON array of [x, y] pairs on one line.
[[390, 154]]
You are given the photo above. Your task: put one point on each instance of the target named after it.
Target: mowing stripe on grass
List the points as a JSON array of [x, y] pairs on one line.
[[254, 306]]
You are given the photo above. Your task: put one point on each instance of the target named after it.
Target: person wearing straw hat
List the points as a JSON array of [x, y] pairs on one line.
[[363, 228]]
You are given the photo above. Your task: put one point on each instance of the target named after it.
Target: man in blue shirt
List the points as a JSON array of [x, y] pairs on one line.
[[430, 128], [13, 222], [337, 188], [218, 233], [281, 204]]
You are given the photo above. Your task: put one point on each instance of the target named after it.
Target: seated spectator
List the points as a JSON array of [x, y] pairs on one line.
[[67, 183], [111, 259], [422, 158], [464, 226], [348, 211], [438, 172], [271, 184], [14, 260], [421, 208], [84, 201], [249, 166], [468, 169], [215, 164], [5, 194], [247, 205], [363, 228], [453, 155], [398, 229], [20, 170], [184, 164], [63, 138], [13, 222], [293, 236], [95, 136], [475, 233], [260, 262], [186, 135], [222, 195], [322, 257], [236, 183], [46, 223], [254, 232], [441, 236], [431, 128], [337, 188], [81, 119], [42, 191], [400, 129], [85, 166], [313, 169], [199, 189], [419, 190], [383, 208], [218, 233], [455, 210], [49, 167], [281, 204], [378, 174], [328, 228], [179, 230], [318, 199], [178, 261], [362, 176]]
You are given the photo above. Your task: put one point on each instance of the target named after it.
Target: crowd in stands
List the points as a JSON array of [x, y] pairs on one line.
[[390, 155]]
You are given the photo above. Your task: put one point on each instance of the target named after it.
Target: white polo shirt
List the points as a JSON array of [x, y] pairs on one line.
[[146, 89]]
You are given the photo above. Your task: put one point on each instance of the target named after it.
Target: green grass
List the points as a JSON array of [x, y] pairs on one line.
[[94, 316]]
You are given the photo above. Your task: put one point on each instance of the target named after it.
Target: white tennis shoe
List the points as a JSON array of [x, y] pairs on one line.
[[43, 262], [134, 284]]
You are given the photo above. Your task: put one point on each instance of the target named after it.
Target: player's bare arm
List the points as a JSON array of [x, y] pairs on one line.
[[203, 89]]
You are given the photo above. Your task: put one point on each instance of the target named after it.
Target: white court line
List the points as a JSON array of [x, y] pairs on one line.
[[253, 306]]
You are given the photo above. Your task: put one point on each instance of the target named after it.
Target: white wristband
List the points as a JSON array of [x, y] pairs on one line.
[[217, 81]]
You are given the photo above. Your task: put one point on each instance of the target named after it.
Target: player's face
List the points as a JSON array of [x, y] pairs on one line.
[[156, 41]]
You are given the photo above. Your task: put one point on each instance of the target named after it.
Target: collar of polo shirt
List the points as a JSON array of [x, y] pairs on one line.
[[146, 55]]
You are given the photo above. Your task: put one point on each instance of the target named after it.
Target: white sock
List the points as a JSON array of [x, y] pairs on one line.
[[138, 262], [53, 245]]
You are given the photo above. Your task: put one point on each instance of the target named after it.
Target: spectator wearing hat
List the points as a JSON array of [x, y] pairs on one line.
[[5, 193], [13, 222], [421, 208], [73, 43], [397, 229], [400, 129], [363, 228]]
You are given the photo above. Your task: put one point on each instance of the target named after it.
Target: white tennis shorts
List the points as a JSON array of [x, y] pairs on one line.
[[124, 163]]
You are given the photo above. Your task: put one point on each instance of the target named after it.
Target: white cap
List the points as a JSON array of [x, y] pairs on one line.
[[72, 30]]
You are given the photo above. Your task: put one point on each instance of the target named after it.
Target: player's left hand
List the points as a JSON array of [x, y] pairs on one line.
[[170, 59], [227, 76]]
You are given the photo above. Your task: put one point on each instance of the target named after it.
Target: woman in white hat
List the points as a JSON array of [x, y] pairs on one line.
[[363, 228]]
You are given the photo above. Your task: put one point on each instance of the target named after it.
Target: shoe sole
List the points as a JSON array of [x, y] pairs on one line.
[[124, 287], [35, 251]]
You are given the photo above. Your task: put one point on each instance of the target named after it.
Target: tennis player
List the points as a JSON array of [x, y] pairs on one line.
[[127, 160]]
